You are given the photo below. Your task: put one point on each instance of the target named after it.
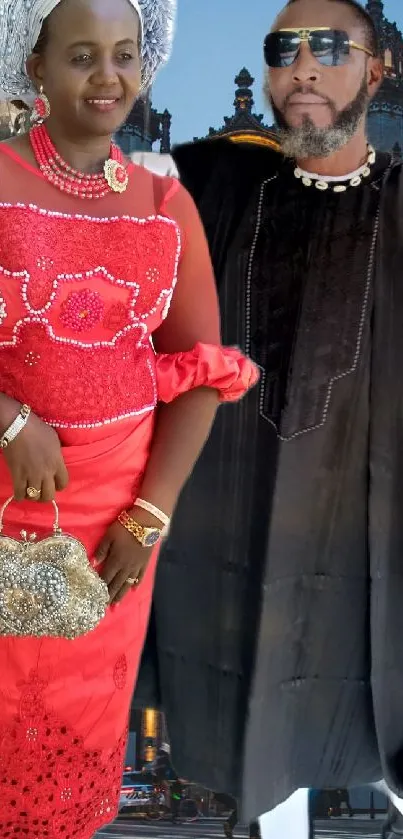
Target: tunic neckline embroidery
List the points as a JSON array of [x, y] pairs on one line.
[[266, 375]]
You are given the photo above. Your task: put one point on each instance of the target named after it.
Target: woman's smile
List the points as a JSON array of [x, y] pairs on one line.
[[103, 105]]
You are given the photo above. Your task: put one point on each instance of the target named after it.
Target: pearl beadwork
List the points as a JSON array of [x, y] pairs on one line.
[[32, 358], [80, 378], [44, 264], [3, 310], [152, 274]]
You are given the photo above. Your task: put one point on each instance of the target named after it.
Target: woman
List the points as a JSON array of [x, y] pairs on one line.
[[108, 308]]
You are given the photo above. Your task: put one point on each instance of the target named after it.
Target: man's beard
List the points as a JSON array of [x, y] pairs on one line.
[[310, 141]]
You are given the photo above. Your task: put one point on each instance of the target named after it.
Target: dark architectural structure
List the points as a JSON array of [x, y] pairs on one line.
[[12, 120], [385, 120], [245, 126], [144, 127]]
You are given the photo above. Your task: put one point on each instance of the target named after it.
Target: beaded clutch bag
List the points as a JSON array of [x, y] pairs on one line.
[[47, 586]]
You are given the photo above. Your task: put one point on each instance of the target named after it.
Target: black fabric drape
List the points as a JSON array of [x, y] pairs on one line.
[[386, 486], [266, 620], [204, 549]]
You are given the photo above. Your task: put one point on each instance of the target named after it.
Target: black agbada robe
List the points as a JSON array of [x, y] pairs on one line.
[[276, 638]]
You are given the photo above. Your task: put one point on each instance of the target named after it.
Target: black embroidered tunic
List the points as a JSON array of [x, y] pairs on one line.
[[263, 646]]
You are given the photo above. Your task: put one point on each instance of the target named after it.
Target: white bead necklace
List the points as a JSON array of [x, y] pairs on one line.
[[338, 184]]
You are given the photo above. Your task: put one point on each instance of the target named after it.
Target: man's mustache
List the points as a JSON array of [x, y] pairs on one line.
[[304, 90]]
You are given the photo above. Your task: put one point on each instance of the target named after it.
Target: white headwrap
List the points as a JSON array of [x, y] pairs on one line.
[[21, 22]]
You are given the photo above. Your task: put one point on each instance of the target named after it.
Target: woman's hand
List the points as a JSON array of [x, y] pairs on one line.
[[122, 557], [34, 457]]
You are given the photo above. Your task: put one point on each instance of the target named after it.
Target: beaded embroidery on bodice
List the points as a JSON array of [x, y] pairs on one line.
[[79, 300]]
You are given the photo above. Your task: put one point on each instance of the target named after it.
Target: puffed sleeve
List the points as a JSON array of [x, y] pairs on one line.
[[189, 353], [206, 365]]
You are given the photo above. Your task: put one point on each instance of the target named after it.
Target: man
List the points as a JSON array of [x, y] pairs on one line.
[[162, 766], [278, 609], [343, 799], [176, 798], [230, 804]]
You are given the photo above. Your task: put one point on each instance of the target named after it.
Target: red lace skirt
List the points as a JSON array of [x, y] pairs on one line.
[[64, 705]]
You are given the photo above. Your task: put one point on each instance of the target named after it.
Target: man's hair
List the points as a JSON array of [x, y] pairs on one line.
[[365, 19]]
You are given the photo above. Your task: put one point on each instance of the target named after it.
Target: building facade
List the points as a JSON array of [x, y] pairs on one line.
[[144, 127], [385, 119], [150, 729], [12, 120]]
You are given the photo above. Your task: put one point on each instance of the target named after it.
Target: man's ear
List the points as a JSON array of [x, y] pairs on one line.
[[375, 74]]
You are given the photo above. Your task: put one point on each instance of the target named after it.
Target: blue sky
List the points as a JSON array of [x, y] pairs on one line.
[[214, 40]]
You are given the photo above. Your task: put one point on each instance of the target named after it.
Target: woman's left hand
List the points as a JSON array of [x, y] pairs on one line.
[[122, 558]]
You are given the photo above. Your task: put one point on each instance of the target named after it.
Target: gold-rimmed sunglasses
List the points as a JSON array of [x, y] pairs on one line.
[[331, 47]]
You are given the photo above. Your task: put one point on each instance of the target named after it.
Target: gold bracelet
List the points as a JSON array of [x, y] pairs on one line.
[[135, 529], [147, 537]]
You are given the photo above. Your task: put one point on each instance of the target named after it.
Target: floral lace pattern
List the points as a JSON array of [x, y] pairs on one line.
[[75, 387], [92, 299], [120, 672], [67, 790]]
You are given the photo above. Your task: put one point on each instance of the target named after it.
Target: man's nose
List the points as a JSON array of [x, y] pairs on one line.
[[305, 67]]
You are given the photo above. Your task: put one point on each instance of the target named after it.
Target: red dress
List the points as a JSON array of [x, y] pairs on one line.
[[106, 307]]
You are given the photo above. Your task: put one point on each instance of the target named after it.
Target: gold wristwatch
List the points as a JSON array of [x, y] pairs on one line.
[[146, 536]]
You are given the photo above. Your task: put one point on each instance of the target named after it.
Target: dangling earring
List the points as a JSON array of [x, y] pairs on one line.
[[41, 109]]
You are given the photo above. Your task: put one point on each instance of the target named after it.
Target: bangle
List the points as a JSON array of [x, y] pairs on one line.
[[154, 511], [14, 429]]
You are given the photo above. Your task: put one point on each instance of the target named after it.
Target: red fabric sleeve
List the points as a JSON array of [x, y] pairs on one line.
[[225, 369], [188, 345]]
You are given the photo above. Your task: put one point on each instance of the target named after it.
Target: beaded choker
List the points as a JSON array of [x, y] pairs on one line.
[[337, 184], [114, 178]]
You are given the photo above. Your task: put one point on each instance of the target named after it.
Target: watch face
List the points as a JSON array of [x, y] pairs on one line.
[[152, 538]]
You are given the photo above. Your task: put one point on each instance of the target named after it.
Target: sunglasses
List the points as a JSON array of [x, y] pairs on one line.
[[331, 47]]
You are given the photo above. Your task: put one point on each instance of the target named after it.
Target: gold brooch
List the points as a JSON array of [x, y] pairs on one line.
[[116, 175]]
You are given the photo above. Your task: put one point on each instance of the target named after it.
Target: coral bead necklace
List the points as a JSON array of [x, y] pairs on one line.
[[114, 178]]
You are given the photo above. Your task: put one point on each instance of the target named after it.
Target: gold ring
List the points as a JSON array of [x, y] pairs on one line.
[[33, 493], [133, 581]]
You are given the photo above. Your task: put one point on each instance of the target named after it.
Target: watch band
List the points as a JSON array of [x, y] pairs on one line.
[[146, 536], [154, 511], [16, 426]]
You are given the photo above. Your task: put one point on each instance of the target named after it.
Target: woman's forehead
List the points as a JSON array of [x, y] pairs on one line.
[[82, 15], [154, 33]]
